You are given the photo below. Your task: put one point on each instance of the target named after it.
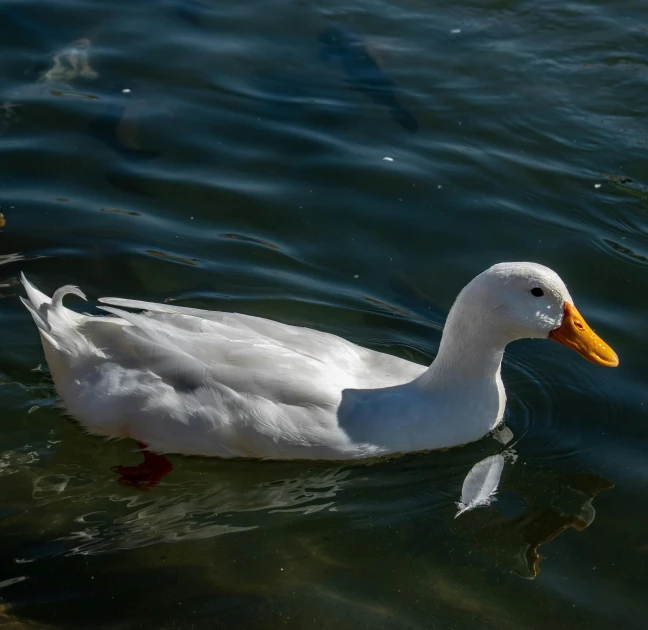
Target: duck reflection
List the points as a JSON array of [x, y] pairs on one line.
[[202, 506], [320, 514], [554, 502]]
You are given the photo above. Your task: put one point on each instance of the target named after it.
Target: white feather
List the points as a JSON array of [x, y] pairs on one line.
[[480, 485]]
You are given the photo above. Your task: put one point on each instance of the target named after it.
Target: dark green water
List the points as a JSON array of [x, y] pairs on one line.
[[248, 175]]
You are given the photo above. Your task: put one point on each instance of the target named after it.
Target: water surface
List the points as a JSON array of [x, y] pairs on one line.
[[228, 158]]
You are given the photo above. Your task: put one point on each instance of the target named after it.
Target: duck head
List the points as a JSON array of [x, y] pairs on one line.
[[526, 300]]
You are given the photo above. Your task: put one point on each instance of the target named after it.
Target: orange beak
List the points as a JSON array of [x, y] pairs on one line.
[[577, 335]]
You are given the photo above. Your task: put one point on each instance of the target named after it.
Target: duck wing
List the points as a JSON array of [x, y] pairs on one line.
[[250, 357], [366, 367]]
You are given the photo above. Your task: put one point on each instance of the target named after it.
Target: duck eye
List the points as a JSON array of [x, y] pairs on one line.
[[537, 291]]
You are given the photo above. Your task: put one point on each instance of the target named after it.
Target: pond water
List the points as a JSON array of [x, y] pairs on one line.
[[244, 156]]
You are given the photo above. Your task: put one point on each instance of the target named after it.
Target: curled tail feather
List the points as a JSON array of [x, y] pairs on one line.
[[57, 298]]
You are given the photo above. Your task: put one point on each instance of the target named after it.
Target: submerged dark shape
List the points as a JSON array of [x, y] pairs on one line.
[[118, 125], [191, 11], [364, 73]]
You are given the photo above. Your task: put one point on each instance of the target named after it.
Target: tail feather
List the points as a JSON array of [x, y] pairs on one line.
[[38, 319], [35, 296], [57, 324], [42, 324]]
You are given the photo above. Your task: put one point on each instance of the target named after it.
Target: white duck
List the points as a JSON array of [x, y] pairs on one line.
[[184, 380]]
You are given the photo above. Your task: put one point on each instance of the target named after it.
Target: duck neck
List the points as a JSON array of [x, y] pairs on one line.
[[470, 351]]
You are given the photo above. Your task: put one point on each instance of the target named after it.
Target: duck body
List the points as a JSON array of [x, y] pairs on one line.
[[196, 382]]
